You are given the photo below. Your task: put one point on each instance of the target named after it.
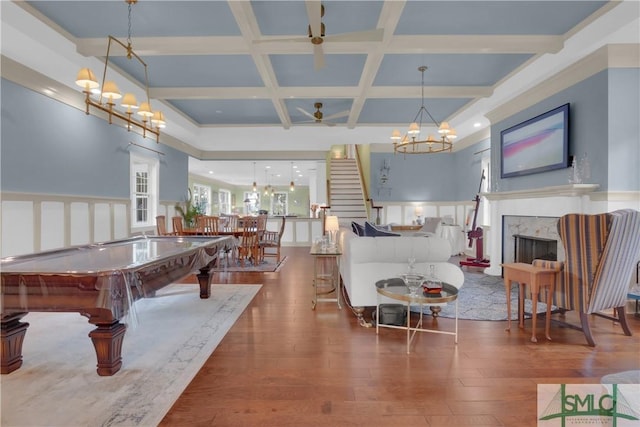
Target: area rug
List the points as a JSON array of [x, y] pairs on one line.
[[483, 297], [176, 332], [269, 265]]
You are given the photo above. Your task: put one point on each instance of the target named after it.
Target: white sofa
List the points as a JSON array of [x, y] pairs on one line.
[[365, 260]]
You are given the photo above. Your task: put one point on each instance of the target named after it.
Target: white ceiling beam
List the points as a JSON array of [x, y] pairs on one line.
[[248, 24], [245, 45], [475, 44], [389, 18], [336, 92]]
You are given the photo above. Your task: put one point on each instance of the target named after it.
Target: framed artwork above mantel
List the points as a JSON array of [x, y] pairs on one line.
[[536, 145]]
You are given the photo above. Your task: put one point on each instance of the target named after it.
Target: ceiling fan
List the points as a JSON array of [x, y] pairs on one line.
[[316, 34], [318, 116]]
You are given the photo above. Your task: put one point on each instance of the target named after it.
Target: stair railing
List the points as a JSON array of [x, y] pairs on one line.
[[363, 184]]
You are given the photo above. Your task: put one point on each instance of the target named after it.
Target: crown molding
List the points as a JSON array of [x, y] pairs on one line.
[[609, 56]]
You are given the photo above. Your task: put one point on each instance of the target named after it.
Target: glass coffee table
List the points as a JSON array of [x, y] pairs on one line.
[[395, 289]]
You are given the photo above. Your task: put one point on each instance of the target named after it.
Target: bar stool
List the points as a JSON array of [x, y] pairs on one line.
[[540, 273]]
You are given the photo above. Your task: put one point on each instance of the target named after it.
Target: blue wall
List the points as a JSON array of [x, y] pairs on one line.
[[438, 177], [604, 125], [624, 129], [51, 148], [588, 128]]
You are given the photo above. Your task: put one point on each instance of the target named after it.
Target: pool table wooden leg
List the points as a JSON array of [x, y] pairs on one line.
[[204, 279], [107, 340], [12, 333]]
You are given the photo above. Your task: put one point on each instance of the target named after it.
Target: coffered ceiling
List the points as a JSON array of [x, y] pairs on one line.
[[239, 78]]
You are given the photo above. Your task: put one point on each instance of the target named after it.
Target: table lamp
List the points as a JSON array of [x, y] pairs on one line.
[[418, 212], [331, 226]]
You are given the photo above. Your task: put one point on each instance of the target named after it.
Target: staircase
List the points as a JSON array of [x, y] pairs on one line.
[[345, 192]]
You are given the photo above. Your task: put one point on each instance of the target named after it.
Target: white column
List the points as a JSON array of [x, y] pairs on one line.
[[495, 232]]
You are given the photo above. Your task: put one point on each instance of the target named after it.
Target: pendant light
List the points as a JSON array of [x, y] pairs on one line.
[[255, 186]]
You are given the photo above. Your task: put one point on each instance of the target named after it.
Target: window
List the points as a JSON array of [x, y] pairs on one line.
[[279, 203], [202, 198], [225, 201], [144, 191], [251, 203]]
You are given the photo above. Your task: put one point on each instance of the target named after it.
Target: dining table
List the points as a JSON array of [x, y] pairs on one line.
[[194, 231]]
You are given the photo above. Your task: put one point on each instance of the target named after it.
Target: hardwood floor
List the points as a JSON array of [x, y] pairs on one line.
[[283, 364]]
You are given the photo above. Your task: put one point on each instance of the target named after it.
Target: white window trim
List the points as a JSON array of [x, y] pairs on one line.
[[286, 204], [222, 191], [154, 188], [197, 189]]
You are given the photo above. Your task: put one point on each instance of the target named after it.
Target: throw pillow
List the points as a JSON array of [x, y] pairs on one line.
[[431, 224], [381, 227], [371, 231], [357, 228]]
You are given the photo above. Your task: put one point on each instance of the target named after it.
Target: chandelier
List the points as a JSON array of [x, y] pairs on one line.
[[411, 143], [150, 121]]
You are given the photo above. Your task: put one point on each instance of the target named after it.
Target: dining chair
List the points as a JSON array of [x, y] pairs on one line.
[[208, 225], [161, 226], [248, 248], [270, 243], [261, 225], [232, 223], [176, 221]]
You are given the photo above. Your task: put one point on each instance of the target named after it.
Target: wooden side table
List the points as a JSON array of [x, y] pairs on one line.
[[333, 255], [535, 277]]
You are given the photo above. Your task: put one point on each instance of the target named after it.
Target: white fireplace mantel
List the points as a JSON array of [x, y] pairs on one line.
[[552, 201], [555, 191]]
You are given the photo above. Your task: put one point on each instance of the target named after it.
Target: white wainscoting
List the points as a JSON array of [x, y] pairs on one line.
[[39, 222], [297, 231], [18, 219], [52, 225], [404, 213]]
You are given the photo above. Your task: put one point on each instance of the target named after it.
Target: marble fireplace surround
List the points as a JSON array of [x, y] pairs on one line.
[[538, 210], [529, 226]]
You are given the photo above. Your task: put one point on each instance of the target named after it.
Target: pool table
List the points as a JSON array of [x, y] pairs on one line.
[[101, 281]]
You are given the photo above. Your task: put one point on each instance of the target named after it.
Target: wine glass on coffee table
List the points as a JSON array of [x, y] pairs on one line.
[[413, 281]]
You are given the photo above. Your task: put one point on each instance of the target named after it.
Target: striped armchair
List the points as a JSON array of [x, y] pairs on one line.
[[601, 252]]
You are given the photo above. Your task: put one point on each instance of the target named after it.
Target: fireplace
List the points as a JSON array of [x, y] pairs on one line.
[[528, 248], [526, 238], [535, 213]]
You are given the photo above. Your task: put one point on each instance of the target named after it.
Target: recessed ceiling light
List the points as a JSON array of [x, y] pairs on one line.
[[267, 167], [210, 171], [477, 124]]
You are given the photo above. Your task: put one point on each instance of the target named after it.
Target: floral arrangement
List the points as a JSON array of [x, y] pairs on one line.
[[314, 209]]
